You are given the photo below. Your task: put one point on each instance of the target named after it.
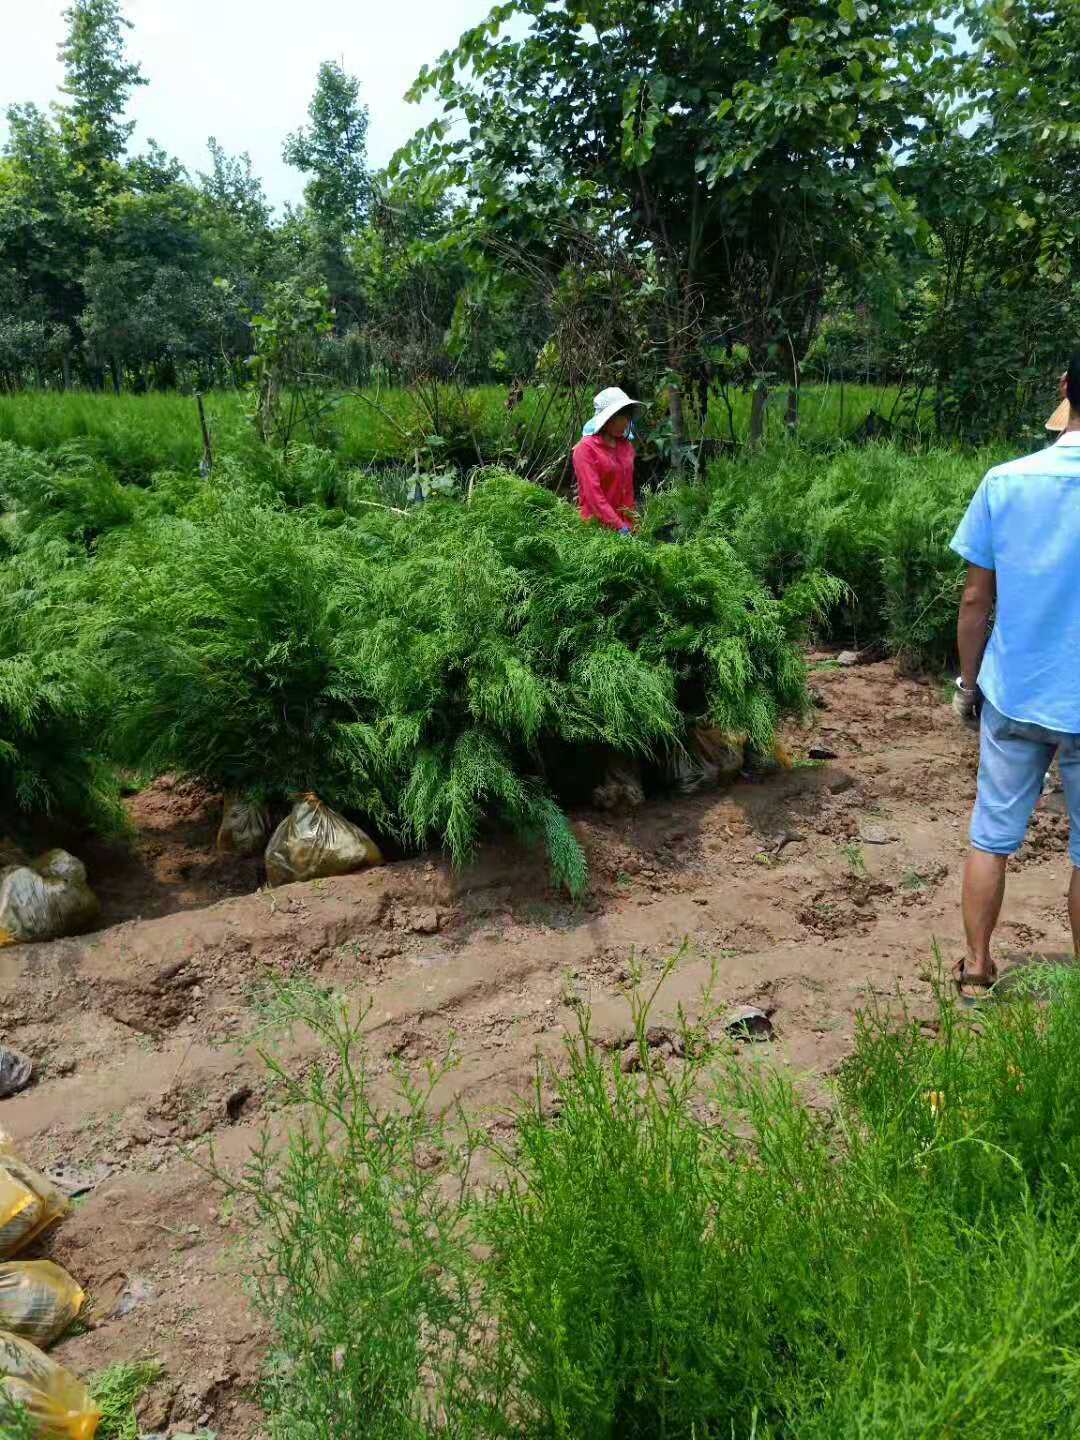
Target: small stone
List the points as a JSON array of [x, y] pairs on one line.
[[234, 1105], [821, 752], [848, 658], [875, 835], [139, 1291], [749, 1023], [74, 1180], [839, 784], [425, 922], [631, 1059], [16, 1072]]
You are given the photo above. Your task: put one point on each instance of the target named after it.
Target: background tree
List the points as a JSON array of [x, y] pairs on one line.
[[753, 148], [992, 318], [332, 149], [98, 81]]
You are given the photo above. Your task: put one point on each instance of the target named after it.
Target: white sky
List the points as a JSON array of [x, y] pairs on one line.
[[244, 70]]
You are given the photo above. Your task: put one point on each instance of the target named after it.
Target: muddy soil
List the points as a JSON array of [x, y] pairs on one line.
[[814, 893]]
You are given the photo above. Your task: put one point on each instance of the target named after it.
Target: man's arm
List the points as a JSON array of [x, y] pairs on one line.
[[973, 624]]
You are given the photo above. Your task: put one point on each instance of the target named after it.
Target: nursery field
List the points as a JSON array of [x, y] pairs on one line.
[[138, 434], [289, 1102]]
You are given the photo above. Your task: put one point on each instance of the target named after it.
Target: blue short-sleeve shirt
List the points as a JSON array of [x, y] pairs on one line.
[[1024, 524]]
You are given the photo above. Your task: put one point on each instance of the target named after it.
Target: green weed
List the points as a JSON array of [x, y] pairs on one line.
[[903, 1265], [116, 1391], [15, 1422]]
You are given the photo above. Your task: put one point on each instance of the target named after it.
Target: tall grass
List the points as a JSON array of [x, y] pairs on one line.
[[137, 434], [904, 1265]]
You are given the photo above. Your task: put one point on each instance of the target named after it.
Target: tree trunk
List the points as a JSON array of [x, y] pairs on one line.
[[678, 427], [65, 371], [757, 413], [791, 419], [207, 466], [115, 369]]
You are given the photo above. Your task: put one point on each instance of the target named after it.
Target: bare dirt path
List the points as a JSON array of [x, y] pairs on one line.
[[813, 893]]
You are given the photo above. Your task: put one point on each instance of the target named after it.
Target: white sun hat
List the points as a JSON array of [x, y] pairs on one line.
[[608, 403]]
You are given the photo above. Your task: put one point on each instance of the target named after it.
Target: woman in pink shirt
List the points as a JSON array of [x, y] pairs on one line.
[[604, 463]]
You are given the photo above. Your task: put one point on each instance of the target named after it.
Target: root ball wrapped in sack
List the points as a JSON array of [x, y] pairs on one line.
[[245, 825], [314, 842], [58, 1404], [29, 1204], [45, 899], [38, 1300]]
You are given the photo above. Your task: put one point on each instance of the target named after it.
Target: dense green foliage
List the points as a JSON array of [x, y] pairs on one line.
[[53, 763], [136, 435], [875, 518], [903, 1266], [281, 629], [284, 627], [418, 668]]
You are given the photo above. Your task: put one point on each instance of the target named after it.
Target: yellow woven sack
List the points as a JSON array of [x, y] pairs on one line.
[[20, 1210], [29, 1203], [59, 1406], [38, 1300]]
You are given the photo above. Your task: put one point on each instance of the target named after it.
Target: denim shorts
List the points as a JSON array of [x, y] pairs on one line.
[[1013, 760]]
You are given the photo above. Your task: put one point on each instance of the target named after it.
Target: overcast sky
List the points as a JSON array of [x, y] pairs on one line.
[[244, 70]]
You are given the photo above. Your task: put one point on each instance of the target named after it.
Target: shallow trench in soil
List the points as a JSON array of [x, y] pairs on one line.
[[138, 1031]]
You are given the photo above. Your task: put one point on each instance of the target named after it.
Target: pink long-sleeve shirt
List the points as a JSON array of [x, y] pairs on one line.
[[605, 478]]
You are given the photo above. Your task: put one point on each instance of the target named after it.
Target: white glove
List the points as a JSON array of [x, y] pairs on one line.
[[965, 706]]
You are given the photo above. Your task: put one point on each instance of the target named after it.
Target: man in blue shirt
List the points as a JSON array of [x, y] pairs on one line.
[[1021, 539]]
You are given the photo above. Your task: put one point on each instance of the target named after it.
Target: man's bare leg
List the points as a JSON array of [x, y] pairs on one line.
[[1074, 910], [984, 890]]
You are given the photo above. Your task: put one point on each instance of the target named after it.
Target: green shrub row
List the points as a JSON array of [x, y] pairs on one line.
[[291, 626], [431, 670], [903, 1265], [135, 435], [877, 518]]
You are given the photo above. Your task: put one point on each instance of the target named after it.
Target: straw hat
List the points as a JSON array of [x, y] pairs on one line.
[[608, 403]]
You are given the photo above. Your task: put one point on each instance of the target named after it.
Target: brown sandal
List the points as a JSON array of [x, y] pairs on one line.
[[983, 984]]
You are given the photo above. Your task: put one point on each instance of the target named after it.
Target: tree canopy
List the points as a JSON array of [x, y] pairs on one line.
[[680, 194]]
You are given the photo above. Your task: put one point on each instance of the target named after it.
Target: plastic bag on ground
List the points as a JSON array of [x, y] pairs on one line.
[[314, 842], [38, 1300], [29, 1203], [245, 825], [45, 899], [58, 1404]]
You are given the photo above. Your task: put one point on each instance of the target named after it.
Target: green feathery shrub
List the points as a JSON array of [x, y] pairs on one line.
[[419, 667], [876, 518], [52, 709], [903, 1264]]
